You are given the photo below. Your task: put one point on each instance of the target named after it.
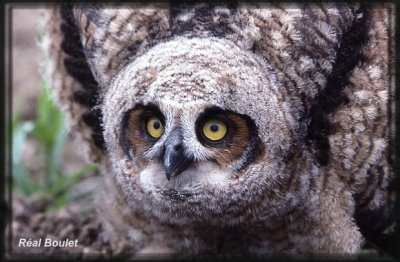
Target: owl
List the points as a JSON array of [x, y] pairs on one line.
[[231, 128]]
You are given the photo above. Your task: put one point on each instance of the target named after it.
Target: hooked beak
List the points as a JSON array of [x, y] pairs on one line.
[[175, 161]]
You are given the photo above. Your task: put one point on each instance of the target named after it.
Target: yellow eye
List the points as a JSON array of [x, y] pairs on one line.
[[214, 129], [154, 127]]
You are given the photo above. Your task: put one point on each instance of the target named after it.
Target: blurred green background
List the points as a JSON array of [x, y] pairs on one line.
[[46, 160]]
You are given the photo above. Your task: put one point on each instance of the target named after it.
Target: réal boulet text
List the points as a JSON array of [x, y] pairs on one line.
[[47, 242]]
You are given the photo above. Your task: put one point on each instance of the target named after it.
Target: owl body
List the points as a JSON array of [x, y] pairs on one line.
[[238, 129]]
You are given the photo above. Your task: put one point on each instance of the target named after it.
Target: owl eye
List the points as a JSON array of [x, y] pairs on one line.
[[155, 127], [214, 129]]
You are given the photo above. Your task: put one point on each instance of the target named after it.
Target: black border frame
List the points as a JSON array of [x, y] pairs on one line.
[[6, 45]]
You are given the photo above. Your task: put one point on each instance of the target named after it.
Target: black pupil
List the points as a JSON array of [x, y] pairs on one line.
[[156, 125], [214, 127]]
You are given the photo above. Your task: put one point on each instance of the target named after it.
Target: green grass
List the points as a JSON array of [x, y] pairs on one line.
[[48, 130]]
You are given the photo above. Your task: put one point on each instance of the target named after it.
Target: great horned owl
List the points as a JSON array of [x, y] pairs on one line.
[[232, 128]]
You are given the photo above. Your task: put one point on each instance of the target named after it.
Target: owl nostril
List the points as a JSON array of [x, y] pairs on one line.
[[178, 148]]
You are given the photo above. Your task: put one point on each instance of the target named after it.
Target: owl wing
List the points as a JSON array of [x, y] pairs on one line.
[[84, 46], [362, 144], [339, 75]]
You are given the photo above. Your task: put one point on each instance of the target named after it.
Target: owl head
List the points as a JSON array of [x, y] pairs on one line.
[[201, 110], [192, 121]]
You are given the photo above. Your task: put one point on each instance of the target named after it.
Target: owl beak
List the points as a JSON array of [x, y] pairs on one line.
[[175, 161]]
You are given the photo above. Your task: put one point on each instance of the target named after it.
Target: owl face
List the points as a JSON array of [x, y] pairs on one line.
[[190, 139], [182, 138]]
